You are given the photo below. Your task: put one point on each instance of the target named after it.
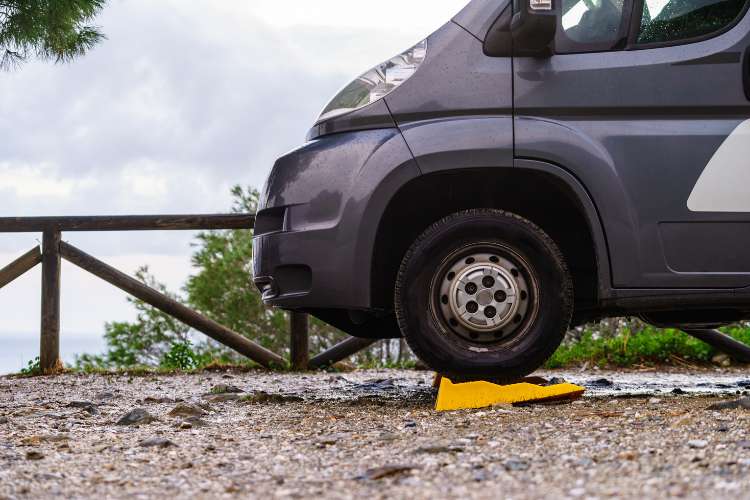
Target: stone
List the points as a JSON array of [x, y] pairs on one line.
[[330, 440], [722, 360], [435, 449], [697, 443], [34, 455], [195, 422], [516, 464], [226, 389], [223, 398], [264, 397], [387, 436], [678, 390], [386, 471], [37, 440], [104, 396], [187, 410], [139, 416], [157, 400], [4, 420], [156, 442], [86, 406], [743, 403], [601, 382]]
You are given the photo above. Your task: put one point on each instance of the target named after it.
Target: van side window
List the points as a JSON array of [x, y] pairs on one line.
[[590, 25], [666, 21]]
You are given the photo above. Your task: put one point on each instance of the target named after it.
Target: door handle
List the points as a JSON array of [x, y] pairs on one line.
[[746, 73]]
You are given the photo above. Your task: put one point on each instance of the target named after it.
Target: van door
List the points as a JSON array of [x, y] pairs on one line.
[[647, 103]]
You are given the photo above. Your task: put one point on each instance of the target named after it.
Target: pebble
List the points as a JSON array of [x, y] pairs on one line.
[[722, 360], [269, 449], [743, 403], [697, 443], [226, 389], [324, 441], [34, 455], [191, 422], [86, 406], [4, 420], [104, 396], [434, 449], [158, 400], [187, 410], [516, 464], [223, 398], [601, 382], [386, 471], [156, 442], [258, 397], [139, 416]]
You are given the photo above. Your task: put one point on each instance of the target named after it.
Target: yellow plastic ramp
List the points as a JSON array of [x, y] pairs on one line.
[[483, 394]]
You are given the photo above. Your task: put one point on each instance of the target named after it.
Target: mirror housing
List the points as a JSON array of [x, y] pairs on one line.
[[533, 27]]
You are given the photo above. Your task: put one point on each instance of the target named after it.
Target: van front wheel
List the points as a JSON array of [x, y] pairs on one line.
[[484, 294]]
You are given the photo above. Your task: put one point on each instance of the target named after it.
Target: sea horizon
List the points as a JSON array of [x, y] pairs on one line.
[[17, 349]]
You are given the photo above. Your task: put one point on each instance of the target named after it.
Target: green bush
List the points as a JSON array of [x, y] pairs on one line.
[[645, 346], [33, 368], [183, 357]]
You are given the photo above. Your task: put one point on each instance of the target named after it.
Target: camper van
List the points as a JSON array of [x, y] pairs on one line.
[[530, 167]]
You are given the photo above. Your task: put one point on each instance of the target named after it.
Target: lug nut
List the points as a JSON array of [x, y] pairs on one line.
[[488, 281], [490, 312], [501, 296], [471, 288], [472, 307]]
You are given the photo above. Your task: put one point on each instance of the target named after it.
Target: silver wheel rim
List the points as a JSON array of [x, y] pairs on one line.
[[483, 296]]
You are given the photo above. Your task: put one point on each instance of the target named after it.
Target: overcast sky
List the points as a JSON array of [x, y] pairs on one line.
[[182, 101]]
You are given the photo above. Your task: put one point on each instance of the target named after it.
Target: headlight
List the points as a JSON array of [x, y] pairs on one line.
[[376, 83]]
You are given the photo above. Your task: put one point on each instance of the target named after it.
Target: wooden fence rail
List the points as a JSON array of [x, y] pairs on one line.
[[54, 249]]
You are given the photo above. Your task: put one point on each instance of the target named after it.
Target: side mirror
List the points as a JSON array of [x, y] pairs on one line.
[[533, 27]]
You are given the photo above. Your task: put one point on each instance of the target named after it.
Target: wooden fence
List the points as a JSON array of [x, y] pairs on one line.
[[53, 249]]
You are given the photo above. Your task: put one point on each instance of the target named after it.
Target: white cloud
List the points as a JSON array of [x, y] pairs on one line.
[[182, 101], [42, 180]]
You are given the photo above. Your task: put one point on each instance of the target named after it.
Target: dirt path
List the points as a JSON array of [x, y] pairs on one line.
[[368, 434]]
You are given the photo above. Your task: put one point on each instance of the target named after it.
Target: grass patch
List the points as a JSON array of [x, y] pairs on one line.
[[649, 346]]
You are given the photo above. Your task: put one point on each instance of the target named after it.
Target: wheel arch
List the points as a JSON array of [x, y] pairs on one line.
[[423, 200]]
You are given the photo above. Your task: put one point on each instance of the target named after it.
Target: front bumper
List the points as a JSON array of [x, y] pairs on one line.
[[318, 219]]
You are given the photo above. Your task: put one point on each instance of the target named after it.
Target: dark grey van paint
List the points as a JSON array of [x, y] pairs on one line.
[[478, 16], [638, 128], [624, 135]]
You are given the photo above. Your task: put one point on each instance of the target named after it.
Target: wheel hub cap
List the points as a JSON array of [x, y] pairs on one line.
[[483, 297]]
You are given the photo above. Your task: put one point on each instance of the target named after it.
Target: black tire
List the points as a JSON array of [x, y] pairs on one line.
[[427, 317]]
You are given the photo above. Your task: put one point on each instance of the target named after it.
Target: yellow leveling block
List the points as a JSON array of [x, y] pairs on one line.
[[482, 394]]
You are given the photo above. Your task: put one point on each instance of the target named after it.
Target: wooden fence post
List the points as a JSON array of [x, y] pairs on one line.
[[49, 351], [299, 336]]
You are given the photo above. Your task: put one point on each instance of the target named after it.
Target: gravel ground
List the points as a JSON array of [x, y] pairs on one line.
[[368, 434]]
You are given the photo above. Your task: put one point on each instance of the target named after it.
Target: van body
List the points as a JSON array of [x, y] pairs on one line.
[[527, 168]]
